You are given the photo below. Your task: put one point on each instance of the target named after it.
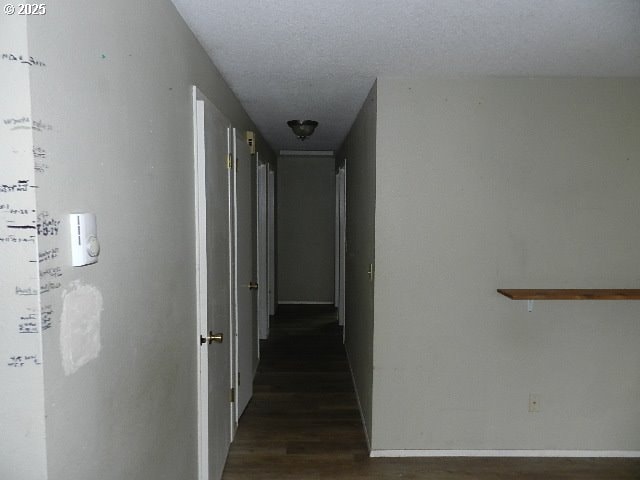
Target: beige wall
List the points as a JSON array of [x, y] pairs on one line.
[[497, 183], [359, 150], [117, 90], [306, 228]]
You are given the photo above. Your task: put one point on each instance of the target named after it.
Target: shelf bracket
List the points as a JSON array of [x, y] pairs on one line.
[[529, 306]]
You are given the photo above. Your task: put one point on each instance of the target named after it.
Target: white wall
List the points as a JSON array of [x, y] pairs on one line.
[[359, 150], [22, 438], [117, 90], [506, 183], [305, 222]]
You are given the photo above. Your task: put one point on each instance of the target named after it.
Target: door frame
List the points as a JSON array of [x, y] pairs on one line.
[[233, 235], [245, 315], [200, 207], [262, 249], [341, 242], [336, 246], [199, 105], [271, 242]]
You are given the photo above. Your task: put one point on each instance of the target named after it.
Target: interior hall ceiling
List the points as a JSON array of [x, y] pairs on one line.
[[302, 59]]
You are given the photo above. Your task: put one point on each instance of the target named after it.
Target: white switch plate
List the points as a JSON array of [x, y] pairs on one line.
[[85, 247]]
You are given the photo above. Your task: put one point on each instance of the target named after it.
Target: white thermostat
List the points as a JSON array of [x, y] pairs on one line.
[[85, 247]]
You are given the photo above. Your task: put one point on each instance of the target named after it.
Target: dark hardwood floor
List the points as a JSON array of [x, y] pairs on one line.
[[303, 421]]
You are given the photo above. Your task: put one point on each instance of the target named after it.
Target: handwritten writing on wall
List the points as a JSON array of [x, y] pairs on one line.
[[48, 286], [26, 291], [46, 317], [18, 186], [48, 277], [53, 272], [7, 208], [39, 152], [26, 123], [48, 254], [39, 157], [28, 323], [20, 224], [28, 327], [27, 60], [18, 361], [18, 227], [28, 317], [48, 226], [40, 167], [15, 240]]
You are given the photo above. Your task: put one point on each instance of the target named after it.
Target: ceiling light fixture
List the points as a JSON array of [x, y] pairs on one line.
[[302, 128]]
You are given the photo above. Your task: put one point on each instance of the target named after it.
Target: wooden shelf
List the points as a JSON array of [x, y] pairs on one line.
[[570, 294]]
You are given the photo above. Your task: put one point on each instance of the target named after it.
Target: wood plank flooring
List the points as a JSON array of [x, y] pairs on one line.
[[303, 421]]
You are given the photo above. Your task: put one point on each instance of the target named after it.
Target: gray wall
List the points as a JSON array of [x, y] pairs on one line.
[[359, 150], [117, 90], [498, 183], [22, 437], [306, 225]]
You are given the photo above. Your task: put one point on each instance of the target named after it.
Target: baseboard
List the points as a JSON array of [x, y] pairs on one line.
[[296, 302], [507, 453], [355, 389]]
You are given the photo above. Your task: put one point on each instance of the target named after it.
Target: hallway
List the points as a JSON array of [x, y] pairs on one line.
[[303, 421]]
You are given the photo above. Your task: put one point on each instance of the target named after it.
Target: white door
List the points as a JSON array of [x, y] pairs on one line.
[[213, 286], [245, 283], [342, 241], [336, 247], [263, 261], [271, 243]]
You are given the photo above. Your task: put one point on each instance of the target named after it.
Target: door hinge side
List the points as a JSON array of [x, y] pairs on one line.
[[229, 161], [251, 141], [232, 395]]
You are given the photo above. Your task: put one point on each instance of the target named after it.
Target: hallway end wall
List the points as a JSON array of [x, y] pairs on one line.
[[305, 228]]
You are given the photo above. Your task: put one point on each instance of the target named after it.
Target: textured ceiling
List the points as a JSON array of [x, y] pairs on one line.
[[298, 59]]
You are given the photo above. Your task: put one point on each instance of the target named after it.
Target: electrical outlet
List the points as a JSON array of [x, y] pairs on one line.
[[534, 403]]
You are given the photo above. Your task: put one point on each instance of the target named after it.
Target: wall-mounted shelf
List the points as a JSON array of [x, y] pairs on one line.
[[570, 294]]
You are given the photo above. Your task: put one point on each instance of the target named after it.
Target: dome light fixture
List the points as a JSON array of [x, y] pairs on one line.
[[302, 128]]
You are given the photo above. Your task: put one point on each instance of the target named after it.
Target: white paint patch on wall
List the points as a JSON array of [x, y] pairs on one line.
[[80, 326]]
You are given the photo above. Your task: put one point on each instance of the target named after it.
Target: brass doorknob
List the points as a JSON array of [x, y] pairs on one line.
[[212, 337], [215, 337], [253, 286]]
